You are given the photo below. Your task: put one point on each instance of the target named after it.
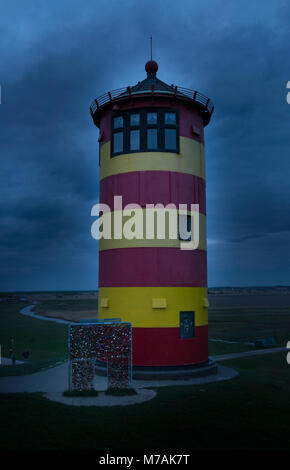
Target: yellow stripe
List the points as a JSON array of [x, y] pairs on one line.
[[201, 161], [134, 304], [189, 160], [107, 244]]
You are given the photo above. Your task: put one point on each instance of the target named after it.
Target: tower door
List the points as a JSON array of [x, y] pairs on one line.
[[187, 325]]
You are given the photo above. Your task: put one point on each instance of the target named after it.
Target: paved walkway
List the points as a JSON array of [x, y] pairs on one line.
[[56, 380], [103, 400], [28, 312], [50, 380], [6, 361]]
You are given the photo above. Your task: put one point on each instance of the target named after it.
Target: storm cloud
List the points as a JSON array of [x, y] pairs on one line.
[[57, 57]]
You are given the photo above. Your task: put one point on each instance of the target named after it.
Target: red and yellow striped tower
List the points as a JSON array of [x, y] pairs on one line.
[[152, 151]]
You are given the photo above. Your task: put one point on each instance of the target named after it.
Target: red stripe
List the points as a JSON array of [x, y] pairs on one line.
[[189, 118], [152, 187], [152, 266], [164, 347]]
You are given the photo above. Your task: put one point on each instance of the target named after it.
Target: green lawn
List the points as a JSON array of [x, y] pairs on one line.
[[46, 341], [250, 411], [227, 348]]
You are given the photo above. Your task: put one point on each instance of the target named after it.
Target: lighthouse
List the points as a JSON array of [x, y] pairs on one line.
[[151, 151]]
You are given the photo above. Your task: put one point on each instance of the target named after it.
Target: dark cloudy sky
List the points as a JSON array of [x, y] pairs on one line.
[[57, 56]]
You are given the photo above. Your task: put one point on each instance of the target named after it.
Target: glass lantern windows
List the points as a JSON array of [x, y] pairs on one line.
[[152, 118], [135, 139], [118, 122], [118, 142], [145, 130], [152, 143], [135, 119], [170, 139], [170, 118]]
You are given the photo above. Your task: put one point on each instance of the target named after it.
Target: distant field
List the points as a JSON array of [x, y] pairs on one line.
[[246, 324], [269, 299], [73, 310]]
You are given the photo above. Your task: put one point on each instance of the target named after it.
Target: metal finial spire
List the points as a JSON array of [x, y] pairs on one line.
[[151, 66]]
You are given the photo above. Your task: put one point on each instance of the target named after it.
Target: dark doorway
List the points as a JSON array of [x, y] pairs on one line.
[[187, 325]]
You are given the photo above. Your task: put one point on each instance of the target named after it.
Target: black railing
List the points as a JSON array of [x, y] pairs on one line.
[[192, 95]]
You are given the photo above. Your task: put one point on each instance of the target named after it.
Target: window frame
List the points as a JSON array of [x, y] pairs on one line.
[[142, 127]]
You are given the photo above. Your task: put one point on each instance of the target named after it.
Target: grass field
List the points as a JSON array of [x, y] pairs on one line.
[[63, 306], [248, 323], [46, 341], [248, 412]]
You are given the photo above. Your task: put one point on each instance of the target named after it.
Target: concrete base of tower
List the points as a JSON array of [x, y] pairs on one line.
[[175, 372], [167, 372]]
